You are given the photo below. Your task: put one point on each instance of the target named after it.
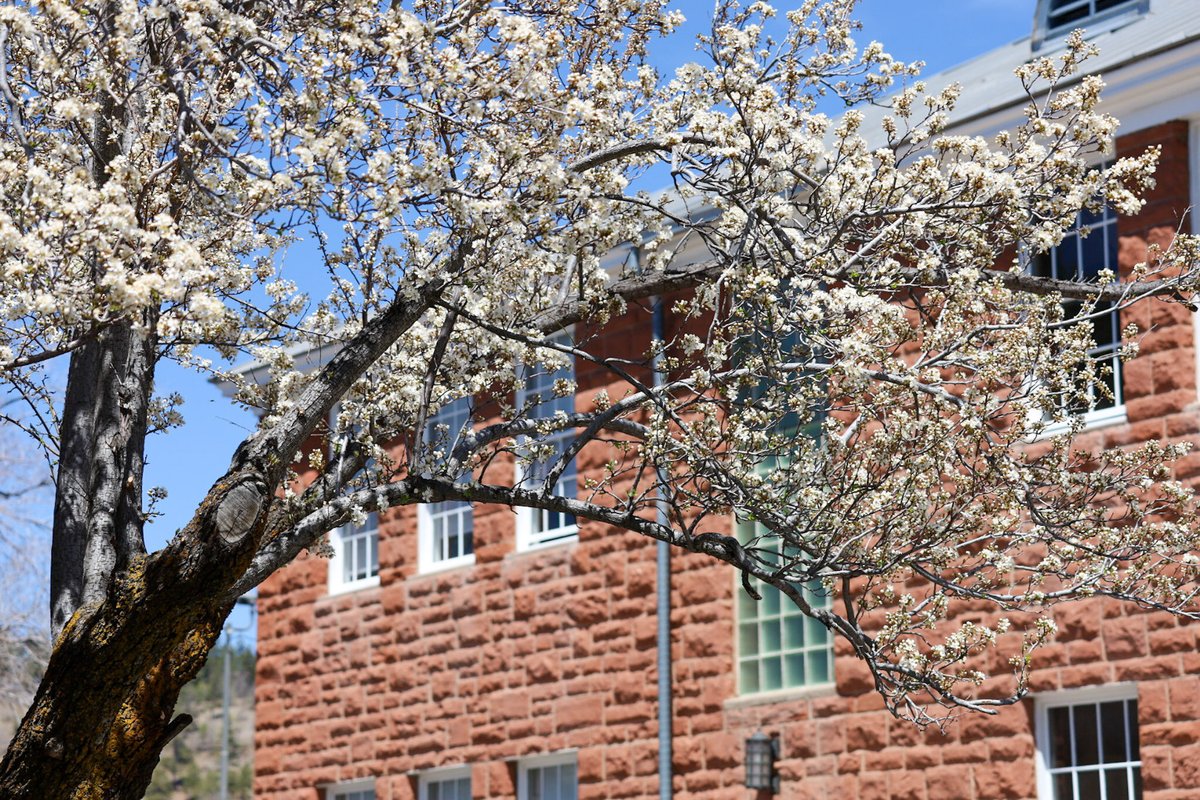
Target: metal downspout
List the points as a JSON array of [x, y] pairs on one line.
[[663, 589]]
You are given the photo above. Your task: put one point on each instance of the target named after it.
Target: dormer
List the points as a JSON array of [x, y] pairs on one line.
[[1056, 18]]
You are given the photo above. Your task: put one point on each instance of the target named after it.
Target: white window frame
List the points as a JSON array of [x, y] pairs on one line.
[[1118, 14], [427, 519], [1074, 697], [341, 791], [438, 775], [563, 758], [338, 584], [1115, 414], [527, 539]]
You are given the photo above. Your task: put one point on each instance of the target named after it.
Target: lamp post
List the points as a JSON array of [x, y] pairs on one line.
[[761, 753]]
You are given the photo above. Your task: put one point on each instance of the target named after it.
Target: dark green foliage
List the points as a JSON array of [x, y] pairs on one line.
[[190, 765]]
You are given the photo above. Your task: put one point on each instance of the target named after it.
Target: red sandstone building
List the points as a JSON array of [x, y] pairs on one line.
[[452, 651]]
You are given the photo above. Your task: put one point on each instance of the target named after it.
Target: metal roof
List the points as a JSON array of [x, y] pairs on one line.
[[989, 85]]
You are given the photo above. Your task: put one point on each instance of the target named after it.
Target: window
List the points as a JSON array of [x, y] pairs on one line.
[[449, 784], [358, 790], [1062, 16], [1081, 257], [538, 399], [355, 562], [446, 529], [1087, 744], [1062, 13], [548, 778], [778, 646]]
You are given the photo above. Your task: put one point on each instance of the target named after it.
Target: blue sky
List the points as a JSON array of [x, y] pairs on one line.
[[940, 32]]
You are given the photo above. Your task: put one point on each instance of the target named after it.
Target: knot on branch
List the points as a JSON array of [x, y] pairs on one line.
[[239, 509]]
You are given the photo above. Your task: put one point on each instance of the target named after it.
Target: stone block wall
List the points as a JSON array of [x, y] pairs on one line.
[[537, 652]]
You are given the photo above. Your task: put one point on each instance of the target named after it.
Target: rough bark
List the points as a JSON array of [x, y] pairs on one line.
[[71, 500], [145, 625], [103, 712]]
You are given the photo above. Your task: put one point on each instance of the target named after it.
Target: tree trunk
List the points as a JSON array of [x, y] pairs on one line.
[[103, 712], [96, 732]]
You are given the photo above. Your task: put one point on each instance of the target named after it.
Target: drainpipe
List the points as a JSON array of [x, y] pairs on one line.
[[663, 584]]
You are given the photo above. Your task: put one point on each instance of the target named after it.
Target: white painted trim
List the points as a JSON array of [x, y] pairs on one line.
[[425, 563], [560, 758], [336, 584], [438, 774], [568, 534], [1044, 701], [1092, 420], [358, 785]]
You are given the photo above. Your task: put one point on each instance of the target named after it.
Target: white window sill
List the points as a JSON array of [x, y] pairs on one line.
[[567, 535], [782, 695], [1092, 420], [446, 565], [353, 586]]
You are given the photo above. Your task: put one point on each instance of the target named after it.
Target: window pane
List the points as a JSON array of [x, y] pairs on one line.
[[1067, 17], [772, 674], [1089, 785], [748, 679], [1086, 749], [748, 639], [347, 561], [434, 791], [1063, 787], [793, 631], [1112, 731], [815, 632], [1106, 330], [793, 669], [569, 782], [534, 776], [747, 606], [819, 665], [1117, 784], [1066, 258], [771, 598], [771, 641], [1060, 737]]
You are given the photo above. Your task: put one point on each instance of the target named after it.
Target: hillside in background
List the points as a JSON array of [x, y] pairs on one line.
[[21, 663], [190, 765]]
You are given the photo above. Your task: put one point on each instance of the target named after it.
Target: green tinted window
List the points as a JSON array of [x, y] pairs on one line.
[[778, 647]]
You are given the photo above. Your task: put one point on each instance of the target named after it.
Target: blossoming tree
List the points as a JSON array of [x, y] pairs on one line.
[[464, 166]]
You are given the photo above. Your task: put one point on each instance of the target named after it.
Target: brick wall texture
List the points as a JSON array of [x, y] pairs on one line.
[[531, 653]]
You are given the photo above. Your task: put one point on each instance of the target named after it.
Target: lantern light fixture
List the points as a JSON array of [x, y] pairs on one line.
[[761, 754]]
